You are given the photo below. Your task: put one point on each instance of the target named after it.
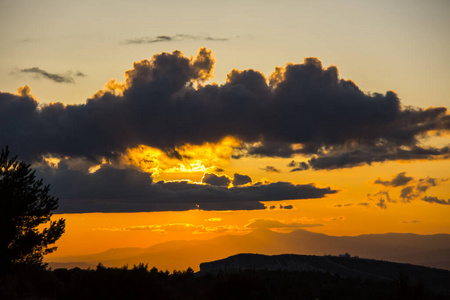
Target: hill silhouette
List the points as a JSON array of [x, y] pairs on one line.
[[435, 279], [427, 250], [243, 276]]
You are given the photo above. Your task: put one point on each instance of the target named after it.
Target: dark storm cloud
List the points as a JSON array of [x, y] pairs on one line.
[[59, 78], [172, 38], [239, 179], [347, 158], [399, 180], [110, 189], [301, 109]]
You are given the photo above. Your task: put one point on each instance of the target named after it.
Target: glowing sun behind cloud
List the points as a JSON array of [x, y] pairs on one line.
[[184, 159]]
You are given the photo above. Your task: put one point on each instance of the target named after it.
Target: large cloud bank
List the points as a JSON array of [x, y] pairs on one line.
[[301, 108]]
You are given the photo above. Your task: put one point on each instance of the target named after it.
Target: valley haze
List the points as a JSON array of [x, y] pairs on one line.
[[426, 250]]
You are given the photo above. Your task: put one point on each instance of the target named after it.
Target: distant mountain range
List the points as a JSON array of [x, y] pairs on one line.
[[427, 250]]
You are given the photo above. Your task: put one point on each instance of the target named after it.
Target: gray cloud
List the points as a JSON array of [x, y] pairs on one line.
[[398, 180], [301, 166], [286, 206], [239, 179], [411, 222], [381, 203], [411, 190], [271, 169], [407, 194], [173, 38], [272, 207], [343, 205], [216, 180], [110, 189], [436, 200], [59, 78], [348, 158], [80, 74]]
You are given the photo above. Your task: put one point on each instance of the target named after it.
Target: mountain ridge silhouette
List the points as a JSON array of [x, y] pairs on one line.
[[399, 247]]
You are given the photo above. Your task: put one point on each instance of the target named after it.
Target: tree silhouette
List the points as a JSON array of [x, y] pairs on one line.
[[25, 205]]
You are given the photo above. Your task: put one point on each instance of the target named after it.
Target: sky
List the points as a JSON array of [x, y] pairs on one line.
[[154, 121]]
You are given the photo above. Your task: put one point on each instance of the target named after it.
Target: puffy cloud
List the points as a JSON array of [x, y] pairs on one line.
[[239, 179], [301, 109], [111, 189], [59, 78], [275, 224], [216, 180]]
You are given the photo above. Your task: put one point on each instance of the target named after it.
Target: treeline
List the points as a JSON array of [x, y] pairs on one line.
[[140, 282]]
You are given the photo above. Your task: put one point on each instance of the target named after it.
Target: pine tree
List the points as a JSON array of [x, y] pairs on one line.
[[25, 205]]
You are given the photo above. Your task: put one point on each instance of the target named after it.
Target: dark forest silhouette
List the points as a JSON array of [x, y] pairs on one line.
[[25, 204], [141, 283]]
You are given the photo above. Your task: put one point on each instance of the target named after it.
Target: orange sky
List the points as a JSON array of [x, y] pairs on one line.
[[126, 106], [96, 232]]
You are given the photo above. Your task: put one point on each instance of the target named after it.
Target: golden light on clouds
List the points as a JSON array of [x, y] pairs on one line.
[[52, 161], [184, 159]]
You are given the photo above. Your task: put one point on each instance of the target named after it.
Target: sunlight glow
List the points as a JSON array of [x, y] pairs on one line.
[[184, 159]]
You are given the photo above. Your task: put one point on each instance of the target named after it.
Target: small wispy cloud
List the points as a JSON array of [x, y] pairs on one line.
[[411, 222], [55, 77], [275, 224], [179, 227], [411, 189], [173, 38], [271, 169]]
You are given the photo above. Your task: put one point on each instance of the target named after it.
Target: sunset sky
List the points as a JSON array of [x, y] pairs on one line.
[[155, 121]]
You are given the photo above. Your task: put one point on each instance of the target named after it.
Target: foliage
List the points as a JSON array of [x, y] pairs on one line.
[[25, 205], [141, 283]]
